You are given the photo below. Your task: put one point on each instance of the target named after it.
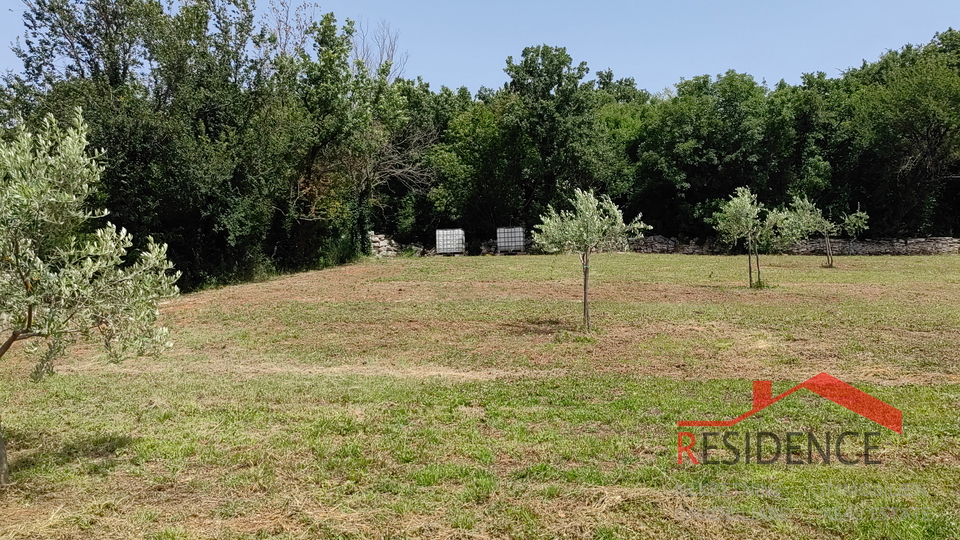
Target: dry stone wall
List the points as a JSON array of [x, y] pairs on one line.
[[910, 246], [814, 246], [662, 244], [383, 246]]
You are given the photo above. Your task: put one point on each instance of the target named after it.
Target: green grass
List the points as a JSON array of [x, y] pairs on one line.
[[456, 397]]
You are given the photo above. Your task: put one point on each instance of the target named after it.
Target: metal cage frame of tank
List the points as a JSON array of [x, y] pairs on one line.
[[450, 241], [510, 239]]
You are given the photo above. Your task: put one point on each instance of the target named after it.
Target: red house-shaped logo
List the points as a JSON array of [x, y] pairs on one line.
[[827, 386]]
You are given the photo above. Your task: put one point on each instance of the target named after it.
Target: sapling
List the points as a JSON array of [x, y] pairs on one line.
[[592, 225]]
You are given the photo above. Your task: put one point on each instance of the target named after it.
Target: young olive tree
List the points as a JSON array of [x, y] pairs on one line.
[[810, 220], [592, 225], [60, 280], [740, 219], [743, 218]]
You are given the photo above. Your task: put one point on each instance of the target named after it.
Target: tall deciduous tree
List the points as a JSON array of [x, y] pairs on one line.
[[695, 147], [553, 123], [60, 281], [252, 142], [593, 224], [100, 40], [909, 131], [529, 144]]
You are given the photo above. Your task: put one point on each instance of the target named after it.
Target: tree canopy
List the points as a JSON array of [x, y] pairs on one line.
[[250, 145], [61, 278]]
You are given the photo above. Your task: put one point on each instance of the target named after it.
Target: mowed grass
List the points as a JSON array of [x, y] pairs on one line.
[[459, 398]]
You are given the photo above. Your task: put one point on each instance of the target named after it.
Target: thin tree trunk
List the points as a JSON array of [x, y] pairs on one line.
[[756, 255], [749, 264], [826, 237], [586, 277], [4, 467]]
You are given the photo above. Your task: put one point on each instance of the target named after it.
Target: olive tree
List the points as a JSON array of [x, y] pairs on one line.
[[740, 219], [61, 279], [811, 220], [593, 225], [744, 218]]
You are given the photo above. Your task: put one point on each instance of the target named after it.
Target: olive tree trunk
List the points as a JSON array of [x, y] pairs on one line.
[[826, 237], [756, 257], [4, 467], [585, 259]]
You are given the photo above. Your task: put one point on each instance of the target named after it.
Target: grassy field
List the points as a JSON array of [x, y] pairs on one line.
[[457, 398]]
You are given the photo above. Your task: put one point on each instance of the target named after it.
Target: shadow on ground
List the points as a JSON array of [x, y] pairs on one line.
[[32, 452], [541, 327]]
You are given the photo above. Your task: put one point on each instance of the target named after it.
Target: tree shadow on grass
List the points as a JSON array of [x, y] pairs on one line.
[[34, 453], [540, 326]]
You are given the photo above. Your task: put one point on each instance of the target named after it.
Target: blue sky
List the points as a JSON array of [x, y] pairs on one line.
[[456, 43]]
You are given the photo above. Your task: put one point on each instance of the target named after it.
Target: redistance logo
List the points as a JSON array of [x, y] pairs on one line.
[[822, 384]]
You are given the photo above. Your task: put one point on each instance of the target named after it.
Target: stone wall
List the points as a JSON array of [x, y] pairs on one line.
[[383, 246], [814, 246], [910, 246], [662, 244]]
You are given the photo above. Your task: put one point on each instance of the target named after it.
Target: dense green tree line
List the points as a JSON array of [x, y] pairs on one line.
[[251, 145], [246, 147], [883, 137]]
